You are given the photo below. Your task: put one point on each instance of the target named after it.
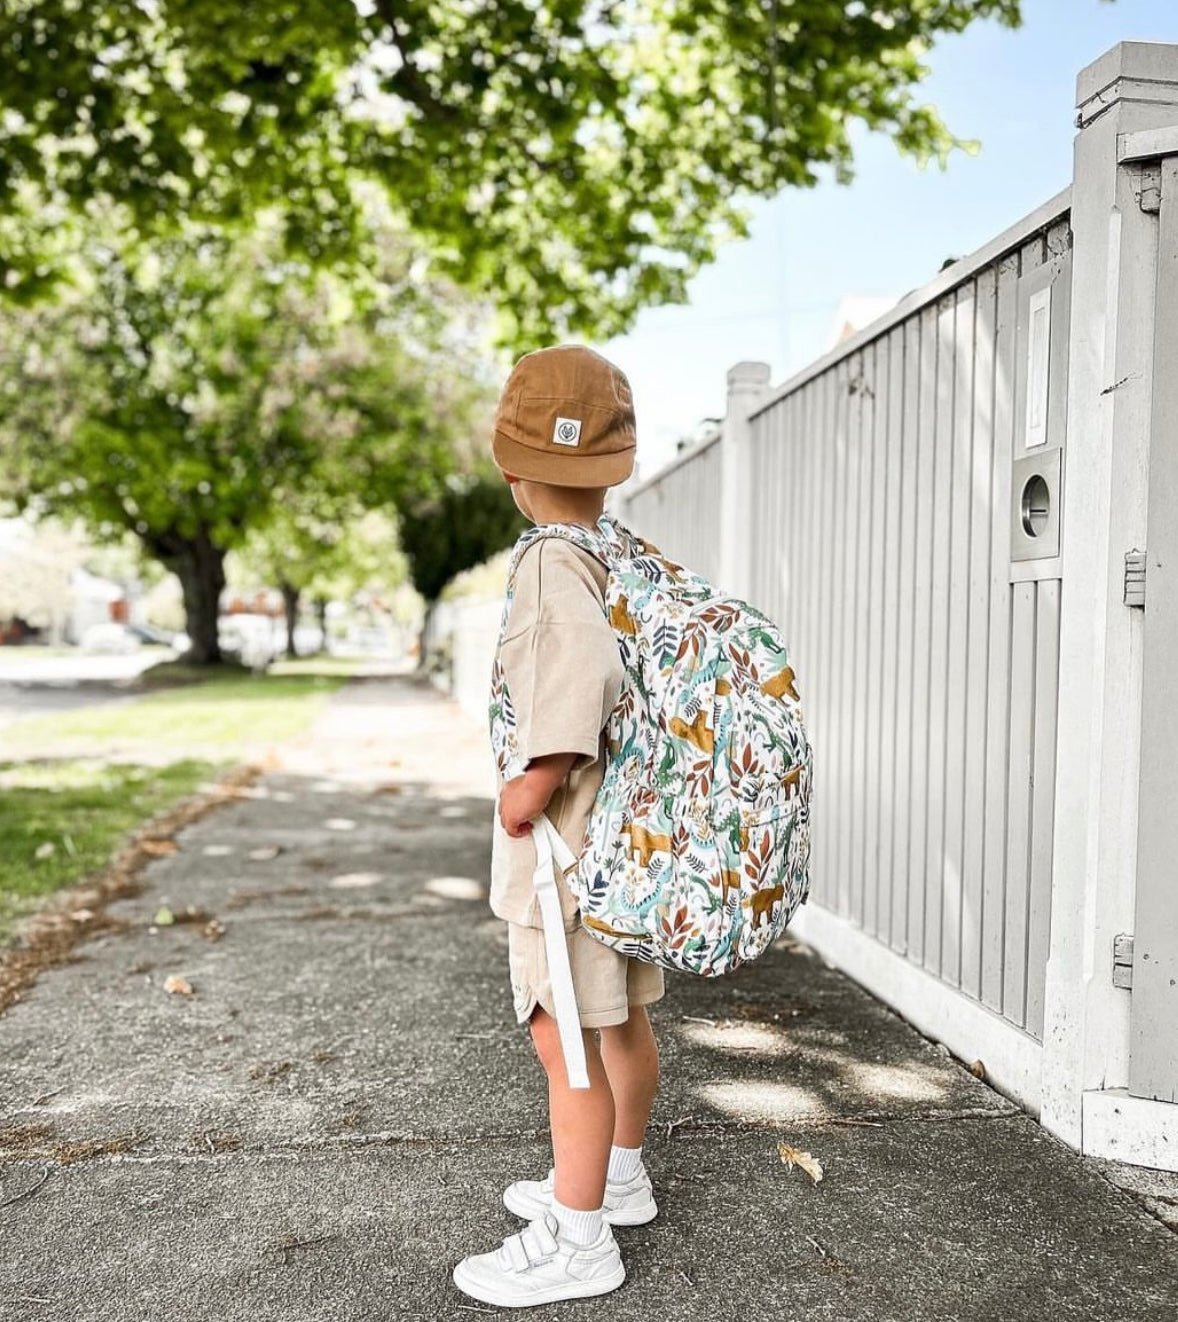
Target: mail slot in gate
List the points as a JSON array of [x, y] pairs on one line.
[[1041, 367]]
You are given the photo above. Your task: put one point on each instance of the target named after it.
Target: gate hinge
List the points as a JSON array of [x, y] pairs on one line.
[[1123, 961], [1135, 578]]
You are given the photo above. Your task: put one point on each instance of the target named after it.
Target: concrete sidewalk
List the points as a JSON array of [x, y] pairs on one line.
[[325, 1125]]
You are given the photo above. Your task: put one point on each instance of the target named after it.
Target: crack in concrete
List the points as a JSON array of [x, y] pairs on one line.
[[689, 1126]]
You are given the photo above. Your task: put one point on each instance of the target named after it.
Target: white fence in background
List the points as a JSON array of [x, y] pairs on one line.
[[683, 501], [458, 644], [965, 519]]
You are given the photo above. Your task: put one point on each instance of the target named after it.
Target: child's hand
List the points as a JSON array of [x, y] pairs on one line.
[[523, 797], [518, 803]]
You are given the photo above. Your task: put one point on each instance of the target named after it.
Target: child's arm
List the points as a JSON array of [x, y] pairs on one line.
[[523, 797], [564, 671]]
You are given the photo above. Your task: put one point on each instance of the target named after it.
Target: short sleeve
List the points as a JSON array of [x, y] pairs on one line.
[[560, 656]]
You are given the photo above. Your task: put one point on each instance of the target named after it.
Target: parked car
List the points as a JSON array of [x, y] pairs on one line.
[[148, 633]]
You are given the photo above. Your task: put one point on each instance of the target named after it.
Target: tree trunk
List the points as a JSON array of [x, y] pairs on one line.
[[425, 639], [200, 567], [321, 616], [290, 601]]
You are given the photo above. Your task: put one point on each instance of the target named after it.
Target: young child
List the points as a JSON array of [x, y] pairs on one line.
[[564, 433]]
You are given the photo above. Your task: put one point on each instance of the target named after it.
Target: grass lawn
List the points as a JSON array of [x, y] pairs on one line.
[[62, 820], [85, 801], [235, 710]]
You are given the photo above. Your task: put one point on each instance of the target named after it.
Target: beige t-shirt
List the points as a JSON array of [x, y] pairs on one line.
[[564, 672]]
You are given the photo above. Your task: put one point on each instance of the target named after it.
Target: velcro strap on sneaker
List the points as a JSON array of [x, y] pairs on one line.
[[543, 1240], [516, 1253]]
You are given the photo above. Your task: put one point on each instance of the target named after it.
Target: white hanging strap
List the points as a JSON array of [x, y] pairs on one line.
[[549, 842]]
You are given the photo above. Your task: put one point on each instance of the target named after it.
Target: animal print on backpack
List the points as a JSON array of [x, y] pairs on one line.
[[696, 854]]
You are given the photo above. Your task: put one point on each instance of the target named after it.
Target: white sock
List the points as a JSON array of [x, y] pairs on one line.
[[624, 1163], [576, 1225]]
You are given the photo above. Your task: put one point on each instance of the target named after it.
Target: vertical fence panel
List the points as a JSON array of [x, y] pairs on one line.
[[763, 550], [994, 855], [894, 797], [938, 674], [853, 613], [821, 683], [952, 868], [905, 634], [777, 580], [813, 451], [860, 610], [842, 498], [873, 587], [1038, 919], [786, 576], [1018, 852], [982, 532], [776, 523], [922, 633]]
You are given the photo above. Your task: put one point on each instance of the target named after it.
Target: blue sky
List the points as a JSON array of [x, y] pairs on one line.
[[774, 296]]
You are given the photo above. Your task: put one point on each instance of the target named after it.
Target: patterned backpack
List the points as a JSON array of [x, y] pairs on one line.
[[696, 855]]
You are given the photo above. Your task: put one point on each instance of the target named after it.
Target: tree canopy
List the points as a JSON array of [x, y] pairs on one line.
[[574, 159], [472, 517], [188, 389]]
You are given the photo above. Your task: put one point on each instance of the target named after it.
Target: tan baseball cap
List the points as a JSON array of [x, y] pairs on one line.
[[566, 416]]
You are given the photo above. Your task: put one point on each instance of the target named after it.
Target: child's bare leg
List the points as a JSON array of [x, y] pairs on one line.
[[581, 1119], [631, 1058]]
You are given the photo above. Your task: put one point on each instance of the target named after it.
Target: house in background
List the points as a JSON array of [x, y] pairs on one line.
[[46, 593]]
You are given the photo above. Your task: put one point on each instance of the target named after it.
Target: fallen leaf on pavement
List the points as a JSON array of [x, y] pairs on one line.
[[158, 848], [265, 852], [177, 985], [164, 917], [214, 929], [191, 914], [796, 1157]]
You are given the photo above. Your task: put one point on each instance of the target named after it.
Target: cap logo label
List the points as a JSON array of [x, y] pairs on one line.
[[567, 431]]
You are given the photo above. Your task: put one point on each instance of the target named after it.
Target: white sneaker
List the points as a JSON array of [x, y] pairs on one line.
[[537, 1267], [627, 1202]]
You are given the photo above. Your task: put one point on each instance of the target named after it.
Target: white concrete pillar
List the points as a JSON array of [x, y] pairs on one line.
[[1132, 87], [748, 388]]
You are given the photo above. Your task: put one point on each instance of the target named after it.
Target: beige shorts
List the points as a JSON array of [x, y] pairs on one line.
[[607, 984]]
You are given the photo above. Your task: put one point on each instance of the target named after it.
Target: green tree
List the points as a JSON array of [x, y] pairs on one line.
[[575, 160], [185, 390], [471, 517], [312, 549]]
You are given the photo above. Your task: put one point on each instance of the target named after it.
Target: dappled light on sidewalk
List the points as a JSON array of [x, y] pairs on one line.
[[333, 1106]]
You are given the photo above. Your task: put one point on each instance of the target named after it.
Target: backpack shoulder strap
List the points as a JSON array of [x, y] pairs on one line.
[[595, 543]]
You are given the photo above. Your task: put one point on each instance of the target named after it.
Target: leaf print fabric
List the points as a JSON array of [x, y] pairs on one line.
[[697, 850]]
